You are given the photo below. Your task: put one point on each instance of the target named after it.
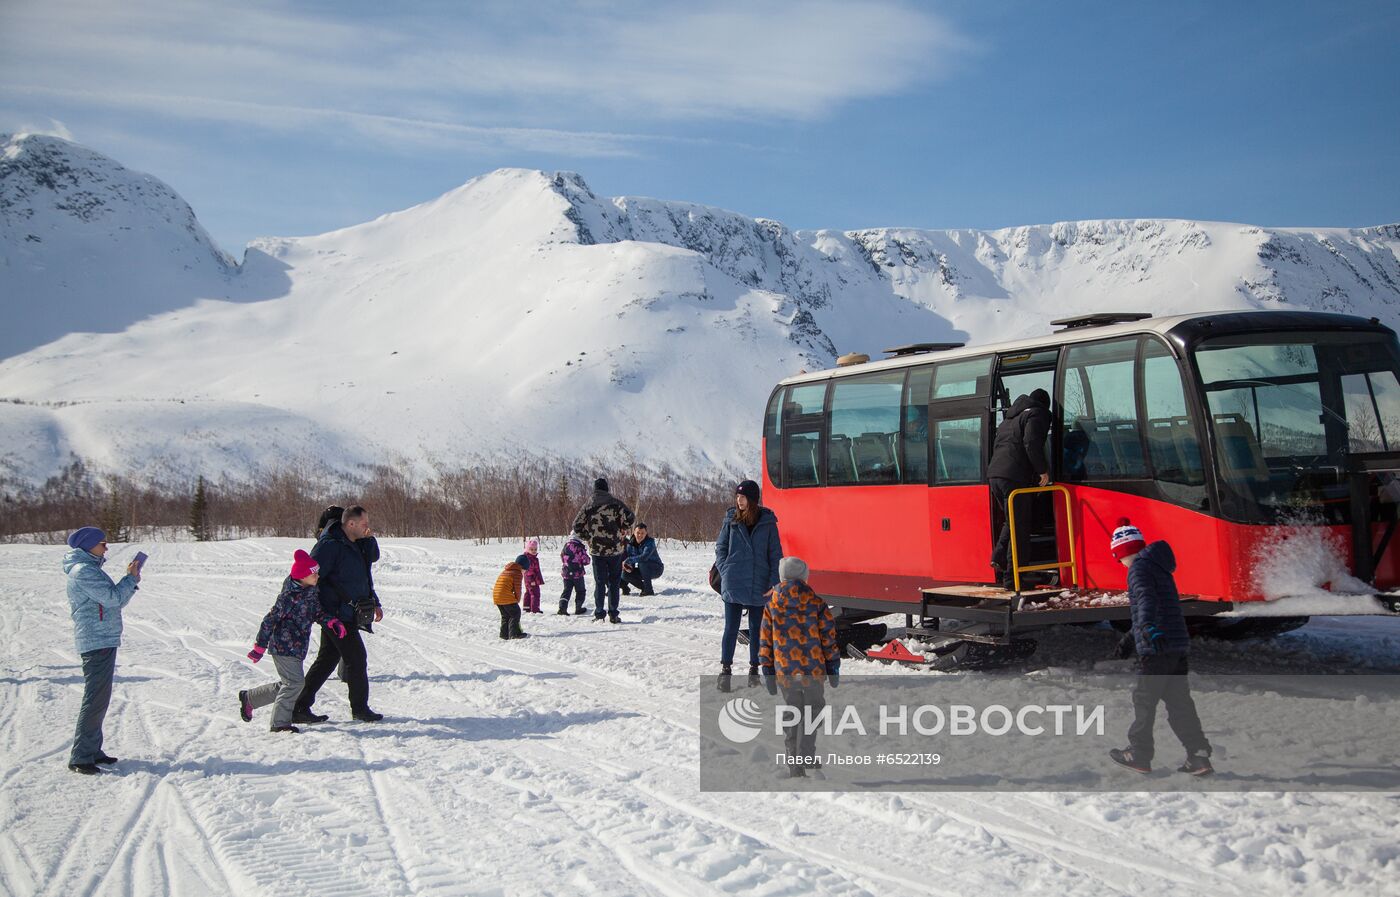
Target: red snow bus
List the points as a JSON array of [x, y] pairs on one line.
[[1217, 432]]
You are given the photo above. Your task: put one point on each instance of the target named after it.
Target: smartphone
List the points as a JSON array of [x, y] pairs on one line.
[[139, 560]]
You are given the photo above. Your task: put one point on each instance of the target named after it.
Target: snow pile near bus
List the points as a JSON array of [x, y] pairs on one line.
[[522, 312], [565, 763], [1303, 570]]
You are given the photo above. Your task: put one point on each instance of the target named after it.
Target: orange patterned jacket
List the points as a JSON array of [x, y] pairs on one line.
[[798, 634]]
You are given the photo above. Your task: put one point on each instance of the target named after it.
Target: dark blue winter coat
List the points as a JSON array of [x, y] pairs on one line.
[[748, 561], [644, 558], [345, 578], [286, 629], [1158, 625]]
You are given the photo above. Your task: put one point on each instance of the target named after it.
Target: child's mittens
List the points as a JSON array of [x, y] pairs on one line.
[[256, 654], [336, 627]]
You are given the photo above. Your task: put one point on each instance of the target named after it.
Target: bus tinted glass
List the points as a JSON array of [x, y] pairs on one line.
[[863, 446], [957, 450], [1171, 433], [772, 430], [914, 435], [803, 410], [1102, 438], [1285, 410], [963, 378]]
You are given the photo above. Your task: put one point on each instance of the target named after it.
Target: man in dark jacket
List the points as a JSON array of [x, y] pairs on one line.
[[603, 525], [345, 586], [1018, 460], [1162, 642]]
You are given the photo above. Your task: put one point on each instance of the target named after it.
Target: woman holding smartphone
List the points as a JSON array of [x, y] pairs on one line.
[[96, 604]]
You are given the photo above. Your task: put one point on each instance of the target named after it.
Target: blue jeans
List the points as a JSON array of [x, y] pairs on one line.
[[607, 575], [733, 614], [98, 668]]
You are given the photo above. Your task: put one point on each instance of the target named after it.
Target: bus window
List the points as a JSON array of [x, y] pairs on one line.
[[863, 447], [1171, 434], [803, 410], [963, 378], [914, 435], [772, 433], [957, 450], [1099, 408], [1373, 411]]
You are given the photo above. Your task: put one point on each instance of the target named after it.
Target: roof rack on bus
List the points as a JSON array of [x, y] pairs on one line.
[[920, 348], [1100, 319]]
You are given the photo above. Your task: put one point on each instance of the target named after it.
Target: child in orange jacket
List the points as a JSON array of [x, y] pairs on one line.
[[798, 652], [506, 596]]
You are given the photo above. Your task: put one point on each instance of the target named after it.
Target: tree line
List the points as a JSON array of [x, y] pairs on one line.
[[529, 496]]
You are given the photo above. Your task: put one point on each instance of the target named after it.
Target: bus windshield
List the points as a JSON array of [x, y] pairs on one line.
[[1287, 408]]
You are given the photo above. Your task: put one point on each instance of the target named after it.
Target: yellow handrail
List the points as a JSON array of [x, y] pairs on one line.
[[1016, 568]]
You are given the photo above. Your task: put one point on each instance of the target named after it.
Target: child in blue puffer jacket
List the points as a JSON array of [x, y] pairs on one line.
[[1162, 643], [284, 633]]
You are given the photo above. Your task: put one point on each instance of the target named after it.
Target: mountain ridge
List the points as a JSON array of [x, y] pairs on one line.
[[522, 312]]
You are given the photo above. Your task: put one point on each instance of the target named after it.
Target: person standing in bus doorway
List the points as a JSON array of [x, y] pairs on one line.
[[1162, 642], [603, 525], [747, 553], [1018, 461]]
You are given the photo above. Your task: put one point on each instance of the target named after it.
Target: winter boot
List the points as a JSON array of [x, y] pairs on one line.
[[516, 631], [1197, 764], [1126, 757], [754, 680], [105, 760], [245, 709], [563, 609], [367, 716], [286, 729], [626, 589], [306, 716], [87, 769], [578, 610], [796, 772], [614, 619], [726, 678]]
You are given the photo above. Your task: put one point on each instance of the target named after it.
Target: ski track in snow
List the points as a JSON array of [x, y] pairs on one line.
[[562, 764]]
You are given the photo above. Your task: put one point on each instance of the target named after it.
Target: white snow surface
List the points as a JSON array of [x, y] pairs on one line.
[[565, 763], [522, 312]]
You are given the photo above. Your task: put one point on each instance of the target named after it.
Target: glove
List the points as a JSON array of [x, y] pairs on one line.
[[336, 627], [770, 682], [1125, 648], [256, 654]]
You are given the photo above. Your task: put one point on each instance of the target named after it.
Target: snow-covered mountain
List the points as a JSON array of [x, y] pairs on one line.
[[521, 312], [88, 245]]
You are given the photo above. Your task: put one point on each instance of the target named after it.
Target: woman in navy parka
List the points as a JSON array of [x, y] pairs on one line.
[[746, 553]]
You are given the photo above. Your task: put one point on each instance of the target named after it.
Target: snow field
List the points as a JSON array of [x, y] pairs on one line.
[[561, 764]]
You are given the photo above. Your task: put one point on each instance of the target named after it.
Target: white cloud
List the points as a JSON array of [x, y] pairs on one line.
[[541, 75], [55, 128]]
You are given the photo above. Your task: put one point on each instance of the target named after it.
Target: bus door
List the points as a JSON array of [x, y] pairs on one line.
[[958, 434], [1018, 374]]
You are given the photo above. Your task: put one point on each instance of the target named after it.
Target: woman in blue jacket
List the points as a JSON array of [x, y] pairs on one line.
[[96, 605], [746, 554], [643, 562]]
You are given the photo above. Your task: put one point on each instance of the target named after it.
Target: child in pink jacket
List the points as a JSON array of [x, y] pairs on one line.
[[534, 578]]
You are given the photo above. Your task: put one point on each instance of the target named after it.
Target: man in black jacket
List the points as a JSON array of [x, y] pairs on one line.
[[345, 585], [1018, 460]]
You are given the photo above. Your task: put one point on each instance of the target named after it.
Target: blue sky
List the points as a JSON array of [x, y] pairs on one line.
[[279, 118]]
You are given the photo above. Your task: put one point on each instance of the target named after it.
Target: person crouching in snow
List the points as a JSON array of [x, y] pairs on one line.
[[576, 565], [506, 596], [534, 577], [797, 650], [1159, 634], [284, 634]]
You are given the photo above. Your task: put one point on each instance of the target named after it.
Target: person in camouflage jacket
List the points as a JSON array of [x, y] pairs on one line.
[[603, 524]]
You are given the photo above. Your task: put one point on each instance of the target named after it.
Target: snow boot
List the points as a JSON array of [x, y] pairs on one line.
[[516, 631], [245, 709], [796, 772], [563, 610], [87, 769], [726, 678], [367, 716], [614, 619], [754, 680], [626, 589], [306, 716], [105, 760], [579, 610], [1197, 764], [1126, 757], [285, 729]]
